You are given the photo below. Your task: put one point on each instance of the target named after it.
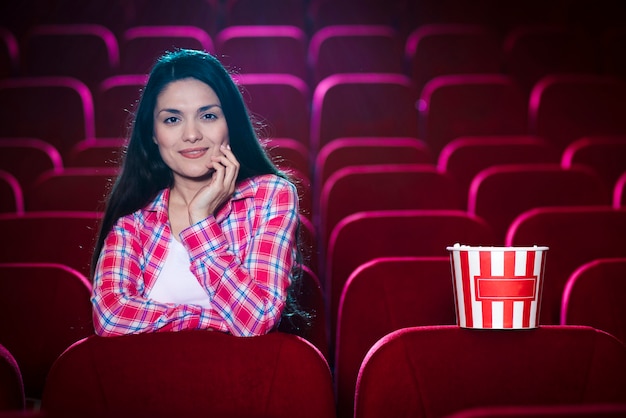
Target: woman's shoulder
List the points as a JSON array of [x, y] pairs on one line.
[[268, 182]]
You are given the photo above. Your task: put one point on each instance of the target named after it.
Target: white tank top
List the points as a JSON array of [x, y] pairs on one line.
[[176, 283]]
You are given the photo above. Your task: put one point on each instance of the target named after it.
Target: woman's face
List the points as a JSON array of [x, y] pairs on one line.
[[189, 127]]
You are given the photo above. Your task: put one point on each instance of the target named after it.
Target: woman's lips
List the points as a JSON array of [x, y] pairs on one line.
[[193, 153]]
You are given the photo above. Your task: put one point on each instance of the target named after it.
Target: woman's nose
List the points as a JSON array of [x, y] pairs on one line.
[[192, 133]]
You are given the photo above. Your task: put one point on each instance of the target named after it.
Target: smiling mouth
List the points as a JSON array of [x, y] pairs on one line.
[[194, 153]]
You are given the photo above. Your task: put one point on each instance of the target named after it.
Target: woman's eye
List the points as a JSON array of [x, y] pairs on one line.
[[171, 119], [210, 116]]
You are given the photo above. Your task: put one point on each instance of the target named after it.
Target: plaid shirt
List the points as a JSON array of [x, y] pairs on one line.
[[242, 257]]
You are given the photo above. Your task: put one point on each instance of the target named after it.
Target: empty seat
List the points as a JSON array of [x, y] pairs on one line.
[[142, 45], [348, 105], [250, 378], [68, 117], [263, 49], [115, 102], [52, 237], [204, 14], [564, 108], [9, 54], [289, 154], [381, 187], [268, 12], [344, 152], [605, 155], [355, 49], [452, 106], [413, 371], [381, 296], [600, 410], [11, 194], [44, 309], [97, 152], [594, 296], [27, 158], [435, 49], [499, 193], [279, 103], [366, 235], [353, 12], [11, 384], [531, 52], [71, 189], [465, 157], [575, 236], [619, 192], [87, 52]]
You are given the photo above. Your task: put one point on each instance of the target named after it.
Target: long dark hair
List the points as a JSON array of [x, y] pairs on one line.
[[143, 173]]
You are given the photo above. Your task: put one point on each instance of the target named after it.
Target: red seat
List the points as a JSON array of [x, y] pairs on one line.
[[564, 108], [62, 126], [11, 385], [594, 296], [344, 152], [280, 102], [115, 102], [268, 12], [575, 235], [97, 152], [250, 377], [344, 105], [204, 14], [355, 49], [465, 157], [605, 155], [27, 158], [499, 193], [142, 45], [366, 235], [11, 194], [263, 49], [445, 48], [413, 371], [44, 309], [9, 54], [619, 192], [71, 189], [615, 410], [381, 296], [52, 237], [289, 154], [353, 12], [87, 52], [309, 245], [382, 187], [533, 51], [452, 106]]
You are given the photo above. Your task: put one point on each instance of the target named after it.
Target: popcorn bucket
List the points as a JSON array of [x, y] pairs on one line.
[[497, 287]]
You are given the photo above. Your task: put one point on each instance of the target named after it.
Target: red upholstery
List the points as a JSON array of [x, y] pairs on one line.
[[467, 105], [381, 296], [563, 108], [619, 192], [615, 410], [268, 12], [344, 104], [594, 296], [140, 46], [97, 152], [115, 101], [9, 53], [27, 158], [446, 48], [288, 153], [44, 308], [464, 157], [87, 52], [381, 187], [435, 371], [280, 102], [366, 235], [11, 385], [355, 49], [273, 49], [191, 373], [71, 189], [11, 194], [605, 155], [353, 12], [531, 52], [499, 193], [53, 237], [52, 125], [199, 13], [575, 236]]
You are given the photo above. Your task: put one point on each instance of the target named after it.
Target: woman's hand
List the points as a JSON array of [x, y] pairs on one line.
[[219, 190]]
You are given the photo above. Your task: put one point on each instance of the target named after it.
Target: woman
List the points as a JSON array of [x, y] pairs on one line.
[[200, 228]]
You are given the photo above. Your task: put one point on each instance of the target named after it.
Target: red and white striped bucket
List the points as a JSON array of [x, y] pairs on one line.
[[497, 287]]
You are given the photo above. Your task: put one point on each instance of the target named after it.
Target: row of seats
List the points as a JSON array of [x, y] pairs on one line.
[[92, 53], [561, 108]]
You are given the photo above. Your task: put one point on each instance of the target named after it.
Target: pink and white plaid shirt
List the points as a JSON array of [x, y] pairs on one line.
[[242, 257]]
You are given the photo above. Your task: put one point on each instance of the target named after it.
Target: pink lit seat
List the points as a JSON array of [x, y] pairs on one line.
[[11, 384], [11, 194], [115, 101], [27, 158], [604, 155]]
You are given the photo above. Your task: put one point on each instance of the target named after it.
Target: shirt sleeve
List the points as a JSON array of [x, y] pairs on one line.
[[118, 304], [249, 294]]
